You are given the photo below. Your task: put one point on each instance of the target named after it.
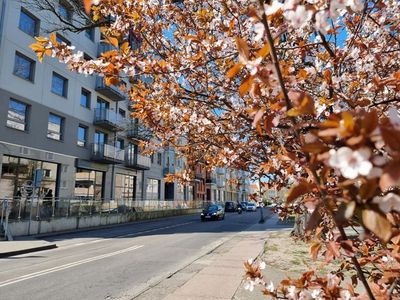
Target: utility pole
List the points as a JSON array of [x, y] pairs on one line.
[[261, 208]]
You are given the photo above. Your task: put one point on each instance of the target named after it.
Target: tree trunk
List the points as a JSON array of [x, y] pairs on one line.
[[300, 224]]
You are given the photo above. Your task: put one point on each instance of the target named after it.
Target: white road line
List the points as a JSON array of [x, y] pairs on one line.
[[120, 236], [66, 266]]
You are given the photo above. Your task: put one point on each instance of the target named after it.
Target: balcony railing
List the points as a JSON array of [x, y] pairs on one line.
[[138, 131], [110, 91], [211, 179], [108, 119], [107, 153], [169, 170], [137, 161]]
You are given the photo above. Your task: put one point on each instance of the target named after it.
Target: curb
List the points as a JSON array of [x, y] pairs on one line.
[[29, 250]]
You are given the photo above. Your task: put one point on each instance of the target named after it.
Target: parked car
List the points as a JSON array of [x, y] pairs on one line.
[[230, 206], [213, 212], [244, 205], [251, 206]]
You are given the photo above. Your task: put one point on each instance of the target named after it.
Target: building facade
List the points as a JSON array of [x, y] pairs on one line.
[[74, 128]]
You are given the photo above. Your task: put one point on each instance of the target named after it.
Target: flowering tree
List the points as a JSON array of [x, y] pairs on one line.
[[305, 91]]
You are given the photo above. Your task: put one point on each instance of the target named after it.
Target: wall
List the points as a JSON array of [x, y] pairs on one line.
[[23, 228]]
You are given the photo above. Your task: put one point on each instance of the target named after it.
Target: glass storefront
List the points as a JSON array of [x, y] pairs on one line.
[[153, 189], [89, 184], [17, 176], [125, 187]]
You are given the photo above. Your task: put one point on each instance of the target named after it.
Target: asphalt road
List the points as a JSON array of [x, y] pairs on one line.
[[118, 262]]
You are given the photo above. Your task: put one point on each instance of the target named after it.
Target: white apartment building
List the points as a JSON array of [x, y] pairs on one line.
[[74, 128]]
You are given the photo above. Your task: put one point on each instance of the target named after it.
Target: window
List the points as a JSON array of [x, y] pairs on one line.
[[125, 187], [15, 172], [59, 85], [55, 127], [122, 113], [100, 137], [65, 10], [89, 33], [28, 23], [24, 67], [61, 39], [85, 98], [87, 56], [159, 157], [119, 144], [89, 184], [153, 189], [102, 104], [17, 116], [82, 135], [152, 158]]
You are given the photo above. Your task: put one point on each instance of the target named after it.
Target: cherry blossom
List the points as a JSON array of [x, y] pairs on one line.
[[351, 163], [299, 17], [220, 82], [389, 202]]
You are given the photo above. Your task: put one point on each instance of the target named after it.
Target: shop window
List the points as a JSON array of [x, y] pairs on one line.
[[89, 184]]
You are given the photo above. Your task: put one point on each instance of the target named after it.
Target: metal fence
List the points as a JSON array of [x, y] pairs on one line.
[[45, 209]]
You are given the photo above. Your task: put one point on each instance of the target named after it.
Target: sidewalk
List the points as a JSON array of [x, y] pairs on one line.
[[218, 275], [10, 248]]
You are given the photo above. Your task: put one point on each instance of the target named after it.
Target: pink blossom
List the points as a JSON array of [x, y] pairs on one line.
[[351, 163], [299, 17]]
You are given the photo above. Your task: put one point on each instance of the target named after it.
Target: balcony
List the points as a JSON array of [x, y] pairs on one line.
[[110, 91], [220, 171], [108, 119], [137, 161], [138, 132], [169, 170], [211, 179], [220, 183], [107, 153], [199, 175]]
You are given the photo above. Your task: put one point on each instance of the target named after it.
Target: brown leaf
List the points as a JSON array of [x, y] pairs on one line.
[[391, 176], [268, 123], [328, 76], [264, 51], [234, 70], [112, 41], [316, 147], [332, 247], [314, 220], [111, 81], [348, 122], [370, 121], [368, 189], [377, 223], [302, 102], [258, 116], [87, 4], [391, 137], [245, 86], [314, 249], [303, 187], [242, 48]]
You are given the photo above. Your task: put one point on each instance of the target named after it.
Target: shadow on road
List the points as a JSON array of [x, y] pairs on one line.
[[233, 223]]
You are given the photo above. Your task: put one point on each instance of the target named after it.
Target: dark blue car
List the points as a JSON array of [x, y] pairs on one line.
[[213, 212]]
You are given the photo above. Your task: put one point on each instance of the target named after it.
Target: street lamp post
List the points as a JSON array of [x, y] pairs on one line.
[[261, 208]]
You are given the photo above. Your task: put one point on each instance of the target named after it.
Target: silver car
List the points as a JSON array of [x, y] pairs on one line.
[[251, 206]]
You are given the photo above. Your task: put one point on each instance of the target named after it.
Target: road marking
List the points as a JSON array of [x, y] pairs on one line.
[[121, 236], [67, 266]]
